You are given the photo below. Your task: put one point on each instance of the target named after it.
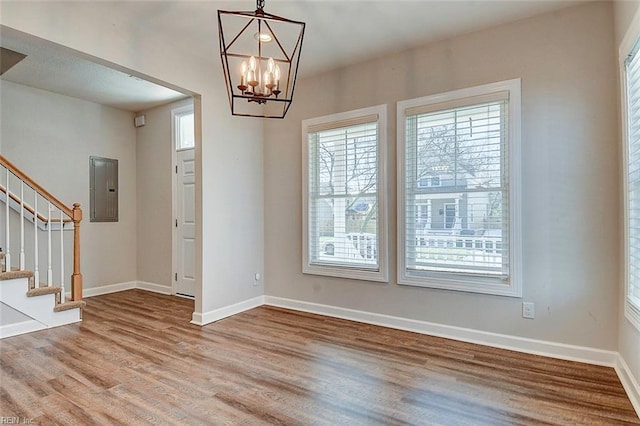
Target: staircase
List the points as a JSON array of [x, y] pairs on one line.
[[41, 303]]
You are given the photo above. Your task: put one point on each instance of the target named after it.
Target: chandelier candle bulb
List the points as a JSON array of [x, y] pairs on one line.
[[268, 80], [251, 77], [243, 77], [268, 76], [251, 74]]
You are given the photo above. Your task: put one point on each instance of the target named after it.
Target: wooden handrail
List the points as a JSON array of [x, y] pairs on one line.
[[35, 186], [74, 214], [30, 209]]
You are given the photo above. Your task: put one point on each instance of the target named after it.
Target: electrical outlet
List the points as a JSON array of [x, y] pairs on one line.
[[528, 310], [256, 279]]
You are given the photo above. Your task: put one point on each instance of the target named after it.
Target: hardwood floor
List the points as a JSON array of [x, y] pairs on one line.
[[136, 360]]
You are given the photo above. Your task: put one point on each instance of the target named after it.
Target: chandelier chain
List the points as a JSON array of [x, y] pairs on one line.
[[260, 4]]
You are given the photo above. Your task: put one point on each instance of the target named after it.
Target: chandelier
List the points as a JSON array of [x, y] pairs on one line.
[[260, 54]]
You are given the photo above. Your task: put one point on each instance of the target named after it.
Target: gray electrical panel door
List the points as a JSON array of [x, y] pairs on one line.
[[103, 174]]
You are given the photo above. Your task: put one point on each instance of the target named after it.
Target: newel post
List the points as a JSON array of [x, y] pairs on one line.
[[76, 278]]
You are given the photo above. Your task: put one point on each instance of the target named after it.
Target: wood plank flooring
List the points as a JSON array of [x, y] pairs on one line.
[[135, 359]]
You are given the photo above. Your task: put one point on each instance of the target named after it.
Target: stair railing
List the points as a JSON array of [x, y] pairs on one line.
[[73, 216]]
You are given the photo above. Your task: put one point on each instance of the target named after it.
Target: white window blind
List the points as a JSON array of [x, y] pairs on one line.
[[456, 196], [633, 182], [343, 195]]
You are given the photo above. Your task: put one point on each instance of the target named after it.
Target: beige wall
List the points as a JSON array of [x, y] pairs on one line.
[[154, 181], [8, 315], [50, 137], [628, 335], [623, 13], [229, 162], [569, 164]]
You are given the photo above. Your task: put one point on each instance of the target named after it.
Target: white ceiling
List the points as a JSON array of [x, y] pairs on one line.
[[338, 33], [60, 72]]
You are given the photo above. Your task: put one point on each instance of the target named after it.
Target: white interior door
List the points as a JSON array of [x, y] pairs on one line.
[[186, 223]]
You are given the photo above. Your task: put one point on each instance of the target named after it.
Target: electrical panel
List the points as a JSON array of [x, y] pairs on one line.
[[103, 189]]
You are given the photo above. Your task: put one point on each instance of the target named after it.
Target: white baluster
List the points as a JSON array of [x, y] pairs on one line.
[[21, 225], [36, 272], [62, 257], [7, 252], [49, 270]]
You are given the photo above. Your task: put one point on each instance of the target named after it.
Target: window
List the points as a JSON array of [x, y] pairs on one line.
[[631, 67], [466, 145], [183, 127], [344, 221], [425, 182]]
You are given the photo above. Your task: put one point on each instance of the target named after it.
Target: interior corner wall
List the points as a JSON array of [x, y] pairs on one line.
[[628, 335], [51, 137], [9, 316], [154, 180], [623, 12], [570, 210]]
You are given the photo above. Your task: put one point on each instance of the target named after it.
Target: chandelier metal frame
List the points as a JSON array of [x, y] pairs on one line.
[[261, 81]]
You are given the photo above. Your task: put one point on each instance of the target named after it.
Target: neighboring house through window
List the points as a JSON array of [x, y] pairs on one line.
[[343, 193], [458, 198]]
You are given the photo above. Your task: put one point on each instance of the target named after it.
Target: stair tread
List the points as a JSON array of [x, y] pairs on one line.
[[43, 290], [69, 305], [12, 275], [43, 284]]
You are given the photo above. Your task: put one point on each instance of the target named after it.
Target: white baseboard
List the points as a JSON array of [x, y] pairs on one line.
[[226, 311], [130, 285], [156, 288], [520, 344], [107, 289], [629, 383], [20, 328]]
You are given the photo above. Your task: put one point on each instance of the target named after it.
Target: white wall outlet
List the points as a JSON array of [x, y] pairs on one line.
[[256, 278], [528, 310]]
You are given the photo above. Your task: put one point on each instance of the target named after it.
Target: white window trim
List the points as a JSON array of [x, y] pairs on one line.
[[631, 312], [382, 274], [459, 281]]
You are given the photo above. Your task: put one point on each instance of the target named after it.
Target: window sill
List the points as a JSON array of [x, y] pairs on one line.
[[460, 282], [380, 275]]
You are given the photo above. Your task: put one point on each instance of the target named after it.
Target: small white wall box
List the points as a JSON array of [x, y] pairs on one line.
[[140, 121]]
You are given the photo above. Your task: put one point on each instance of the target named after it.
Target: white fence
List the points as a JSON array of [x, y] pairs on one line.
[[484, 252]]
